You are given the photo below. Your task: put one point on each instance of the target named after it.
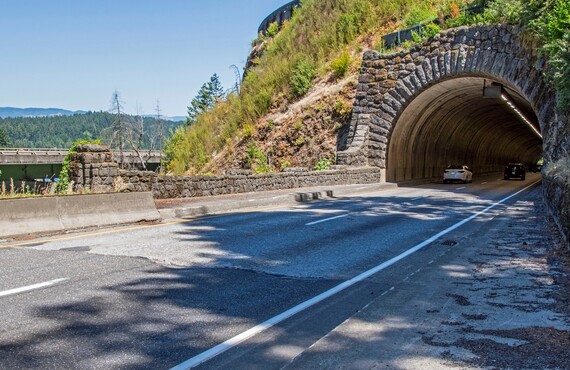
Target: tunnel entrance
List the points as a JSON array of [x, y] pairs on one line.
[[452, 122]]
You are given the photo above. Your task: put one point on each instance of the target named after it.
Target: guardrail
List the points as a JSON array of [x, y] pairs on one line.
[[394, 39], [55, 155]]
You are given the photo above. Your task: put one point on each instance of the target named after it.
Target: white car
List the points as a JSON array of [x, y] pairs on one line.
[[457, 173]]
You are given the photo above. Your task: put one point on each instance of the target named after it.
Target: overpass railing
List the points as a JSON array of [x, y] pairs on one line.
[[43, 155]]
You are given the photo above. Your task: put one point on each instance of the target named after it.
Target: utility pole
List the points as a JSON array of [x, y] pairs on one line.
[[160, 123]]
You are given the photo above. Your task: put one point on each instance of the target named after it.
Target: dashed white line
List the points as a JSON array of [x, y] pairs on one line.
[[232, 342], [327, 219], [461, 188], [31, 287]]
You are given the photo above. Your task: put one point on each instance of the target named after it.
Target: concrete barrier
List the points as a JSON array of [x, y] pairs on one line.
[[49, 214]]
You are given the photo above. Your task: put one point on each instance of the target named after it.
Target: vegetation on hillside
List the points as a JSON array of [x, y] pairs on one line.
[[63, 131], [322, 44], [319, 33]]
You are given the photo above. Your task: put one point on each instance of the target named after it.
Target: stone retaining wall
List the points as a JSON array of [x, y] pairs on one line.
[[198, 186], [93, 169]]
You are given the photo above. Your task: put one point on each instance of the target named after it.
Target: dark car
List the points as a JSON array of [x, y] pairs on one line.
[[515, 170]]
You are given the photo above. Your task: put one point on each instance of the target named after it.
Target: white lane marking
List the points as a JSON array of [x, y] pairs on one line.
[[31, 287], [460, 188], [423, 196], [483, 183], [326, 219], [232, 342]]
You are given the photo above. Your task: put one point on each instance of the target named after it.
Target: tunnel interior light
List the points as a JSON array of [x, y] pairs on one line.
[[507, 99], [492, 91]]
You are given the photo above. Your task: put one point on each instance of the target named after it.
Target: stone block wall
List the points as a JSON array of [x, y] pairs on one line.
[[94, 169], [199, 186], [388, 82], [556, 175]]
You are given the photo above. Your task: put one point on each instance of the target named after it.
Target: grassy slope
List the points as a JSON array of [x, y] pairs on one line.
[[267, 119]]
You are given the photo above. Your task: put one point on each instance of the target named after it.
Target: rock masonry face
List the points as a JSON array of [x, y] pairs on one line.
[[94, 169], [388, 82]]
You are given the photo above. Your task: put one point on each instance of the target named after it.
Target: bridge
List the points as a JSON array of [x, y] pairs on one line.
[[30, 163], [10, 156]]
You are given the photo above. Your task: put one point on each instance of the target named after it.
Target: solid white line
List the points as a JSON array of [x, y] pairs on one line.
[[326, 219], [232, 342], [31, 287], [460, 188]]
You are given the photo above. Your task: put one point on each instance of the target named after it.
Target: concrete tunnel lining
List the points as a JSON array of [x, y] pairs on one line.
[[452, 123]]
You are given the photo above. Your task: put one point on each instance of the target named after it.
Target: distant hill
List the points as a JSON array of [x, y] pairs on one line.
[[11, 112], [6, 112], [61, 130]]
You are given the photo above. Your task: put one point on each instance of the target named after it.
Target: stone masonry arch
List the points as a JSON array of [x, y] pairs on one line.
[[417, 111]]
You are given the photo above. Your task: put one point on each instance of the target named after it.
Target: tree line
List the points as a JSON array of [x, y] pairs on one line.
[[63, 131]]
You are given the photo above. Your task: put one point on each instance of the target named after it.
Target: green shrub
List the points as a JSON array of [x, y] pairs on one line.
[[342, 108], [272, 30], [346, 28], [248, 130], [298, 125], [256, 159], [64, 180], [550, 22], [504, 11], [302, 77], [421, 13], [430, 30], [283, 164], [341, 64], [323, 164]]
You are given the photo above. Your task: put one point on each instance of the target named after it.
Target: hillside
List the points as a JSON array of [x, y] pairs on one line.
[[296, 98], [295, 101], [62, 131], [6, 112]]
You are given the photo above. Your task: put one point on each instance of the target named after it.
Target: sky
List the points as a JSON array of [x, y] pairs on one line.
[[73, 54]]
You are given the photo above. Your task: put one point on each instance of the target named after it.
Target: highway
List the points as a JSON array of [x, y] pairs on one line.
[[269, 284]]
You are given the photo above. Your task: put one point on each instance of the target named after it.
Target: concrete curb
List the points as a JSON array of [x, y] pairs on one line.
[[50, 214]]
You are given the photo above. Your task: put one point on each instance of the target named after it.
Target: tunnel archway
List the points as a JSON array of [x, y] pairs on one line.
[[452, 122], [419, 110]]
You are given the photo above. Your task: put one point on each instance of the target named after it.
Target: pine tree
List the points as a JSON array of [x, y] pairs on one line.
[[4, 139], [208, 95]]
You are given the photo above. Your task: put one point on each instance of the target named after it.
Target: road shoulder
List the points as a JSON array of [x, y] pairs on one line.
[[501, 303]]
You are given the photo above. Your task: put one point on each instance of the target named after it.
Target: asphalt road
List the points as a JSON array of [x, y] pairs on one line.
[[155, 296]]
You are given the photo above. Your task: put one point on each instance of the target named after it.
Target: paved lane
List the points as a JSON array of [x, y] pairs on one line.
[[215, 278]]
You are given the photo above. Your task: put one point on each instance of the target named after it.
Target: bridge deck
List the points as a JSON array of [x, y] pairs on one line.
[[56, 156]]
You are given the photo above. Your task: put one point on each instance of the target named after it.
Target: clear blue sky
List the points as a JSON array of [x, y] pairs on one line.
[[73, 54]]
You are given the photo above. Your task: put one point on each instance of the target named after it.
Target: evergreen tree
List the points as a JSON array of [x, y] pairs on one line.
[[207, 97], [4, 139]]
